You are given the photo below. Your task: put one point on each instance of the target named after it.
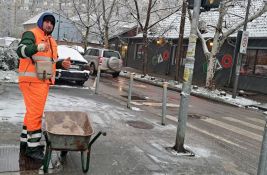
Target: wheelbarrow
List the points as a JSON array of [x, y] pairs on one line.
[[68, 131]]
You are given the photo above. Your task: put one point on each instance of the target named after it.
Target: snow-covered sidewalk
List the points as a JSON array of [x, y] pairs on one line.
[[216, 95]]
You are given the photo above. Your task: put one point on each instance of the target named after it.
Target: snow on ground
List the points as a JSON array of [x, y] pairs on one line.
[[8, 76]]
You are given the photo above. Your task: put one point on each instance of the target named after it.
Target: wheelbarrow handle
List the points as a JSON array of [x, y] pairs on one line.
[[96, 137]]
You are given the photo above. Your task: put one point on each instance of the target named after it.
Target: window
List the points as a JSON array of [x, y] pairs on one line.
[[96, 52], [92, 52], [254, 63], [138, 51], [108, 54]]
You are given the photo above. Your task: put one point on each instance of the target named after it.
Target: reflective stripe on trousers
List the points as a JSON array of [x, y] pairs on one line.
[[23, 135]]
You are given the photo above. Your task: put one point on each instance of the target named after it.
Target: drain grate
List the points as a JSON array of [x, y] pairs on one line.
[[140, 124], [134, 97], [197, 116]]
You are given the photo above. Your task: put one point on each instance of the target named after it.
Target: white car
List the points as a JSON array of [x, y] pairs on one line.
[[77, 70], [109, 60]]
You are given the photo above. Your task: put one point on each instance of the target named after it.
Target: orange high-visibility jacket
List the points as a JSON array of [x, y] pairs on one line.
[[27, 71]]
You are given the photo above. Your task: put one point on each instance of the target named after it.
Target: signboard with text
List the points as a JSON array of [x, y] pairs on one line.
[[244, 42]]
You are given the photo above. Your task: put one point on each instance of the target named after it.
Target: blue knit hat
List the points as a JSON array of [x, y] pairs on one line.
[[46, 16]]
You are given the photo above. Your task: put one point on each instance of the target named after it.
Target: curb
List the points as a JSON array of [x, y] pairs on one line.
[[173, 88]]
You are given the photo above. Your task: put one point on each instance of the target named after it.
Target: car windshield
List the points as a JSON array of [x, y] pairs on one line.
[[108, 54]]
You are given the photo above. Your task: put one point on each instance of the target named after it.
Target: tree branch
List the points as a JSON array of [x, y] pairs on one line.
[[251, 18], [163, 18]]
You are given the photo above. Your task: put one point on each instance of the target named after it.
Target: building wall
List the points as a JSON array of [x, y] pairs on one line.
[[160, 61]]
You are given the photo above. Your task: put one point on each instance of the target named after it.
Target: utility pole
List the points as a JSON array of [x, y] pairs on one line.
[[187, 80], [180, 42], [262, 168], [59, 21], [240, 56]]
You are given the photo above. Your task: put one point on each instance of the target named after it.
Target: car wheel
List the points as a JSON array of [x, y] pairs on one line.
[[115, 74], [80, 83], [92, 69]]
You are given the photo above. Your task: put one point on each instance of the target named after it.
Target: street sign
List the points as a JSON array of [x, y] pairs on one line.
[[244, 42]]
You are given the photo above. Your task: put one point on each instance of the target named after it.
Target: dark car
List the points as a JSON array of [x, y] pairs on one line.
[[77, 71]]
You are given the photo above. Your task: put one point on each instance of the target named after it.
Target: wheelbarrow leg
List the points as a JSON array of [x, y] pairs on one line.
[[47, 158], [86, 166], [48, 152], [63, 156]]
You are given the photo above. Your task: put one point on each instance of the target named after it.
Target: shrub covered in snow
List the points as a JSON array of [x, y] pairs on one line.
[[8, 59]]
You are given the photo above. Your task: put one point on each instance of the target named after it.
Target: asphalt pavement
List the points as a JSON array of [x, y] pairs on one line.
[[136, 143]]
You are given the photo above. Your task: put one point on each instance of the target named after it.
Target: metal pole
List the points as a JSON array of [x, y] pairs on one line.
[[240, 56], [187, 80], [262, 168], [180, 42], [236, 51], [97, 80], [164, 102], [130, 91]]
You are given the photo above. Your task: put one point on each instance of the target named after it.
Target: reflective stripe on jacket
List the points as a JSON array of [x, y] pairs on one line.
[[27, 72]]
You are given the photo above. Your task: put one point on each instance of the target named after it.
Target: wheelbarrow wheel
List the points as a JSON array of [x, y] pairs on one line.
[[63, 156], [85, 165], [47, 158]]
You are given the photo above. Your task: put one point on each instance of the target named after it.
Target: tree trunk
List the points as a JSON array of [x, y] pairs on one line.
[[106, 37], [215, 48], [212, 62], [85, 42], [145, 50]]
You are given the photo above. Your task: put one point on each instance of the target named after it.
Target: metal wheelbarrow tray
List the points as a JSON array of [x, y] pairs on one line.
[[68, 131]]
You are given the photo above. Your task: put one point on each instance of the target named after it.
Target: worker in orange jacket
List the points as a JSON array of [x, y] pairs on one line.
[[38, 60]]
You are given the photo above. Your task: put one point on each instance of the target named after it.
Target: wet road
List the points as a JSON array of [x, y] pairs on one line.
[[239, 131], [225, 139]]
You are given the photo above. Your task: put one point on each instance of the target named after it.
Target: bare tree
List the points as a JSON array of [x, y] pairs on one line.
[[104, 12], [97, 14], [220, 36], [159, 12], [107, 14], [85, 20]]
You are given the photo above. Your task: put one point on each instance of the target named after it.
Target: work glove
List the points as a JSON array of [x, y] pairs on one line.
[[66, 63], [42, 47]]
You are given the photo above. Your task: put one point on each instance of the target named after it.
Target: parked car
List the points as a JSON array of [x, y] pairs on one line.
[[109, 60], [77, 71]]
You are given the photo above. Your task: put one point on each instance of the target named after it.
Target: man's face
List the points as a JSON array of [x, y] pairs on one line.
[[47, 27]]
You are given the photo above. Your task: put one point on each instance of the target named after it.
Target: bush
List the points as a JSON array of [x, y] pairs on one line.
[[8, 59]]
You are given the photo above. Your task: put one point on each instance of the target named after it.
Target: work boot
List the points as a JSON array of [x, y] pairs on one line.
[[34, 150], [36, 153], [22, 147]]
